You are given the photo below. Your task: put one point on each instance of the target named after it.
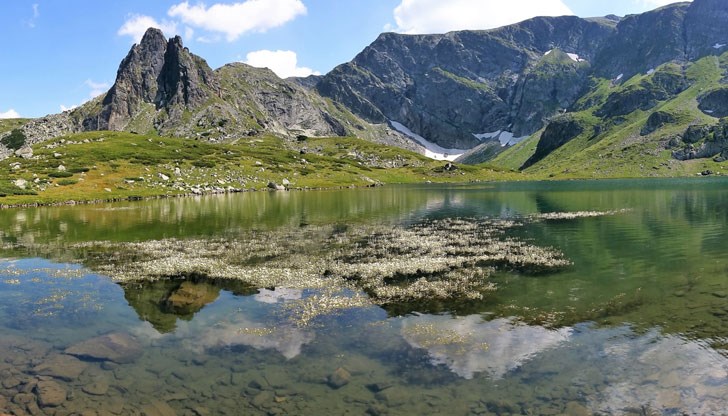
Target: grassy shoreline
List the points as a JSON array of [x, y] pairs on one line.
[[101, 167]]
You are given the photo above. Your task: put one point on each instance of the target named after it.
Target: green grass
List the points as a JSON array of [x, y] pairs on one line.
[[112, 165], [9, 124], [619, 151]]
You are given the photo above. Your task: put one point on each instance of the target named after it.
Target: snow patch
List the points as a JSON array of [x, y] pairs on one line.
[[620, 76], [432, 150], [651, 71], [574, 57], [709, 111], [719, 45], [506, 138]]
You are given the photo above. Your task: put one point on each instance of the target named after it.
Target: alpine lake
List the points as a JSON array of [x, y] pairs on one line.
[[540, 298]]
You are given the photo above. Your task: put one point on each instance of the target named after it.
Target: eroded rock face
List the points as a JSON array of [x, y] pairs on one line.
[[656, 121], [118, 347], [715, 103]]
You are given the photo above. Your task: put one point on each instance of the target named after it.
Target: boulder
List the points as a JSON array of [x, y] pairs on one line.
[[118, 347]]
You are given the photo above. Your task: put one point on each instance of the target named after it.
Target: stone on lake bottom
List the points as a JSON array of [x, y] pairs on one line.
[[64, 367], [117, 347], [158, 408], [339, 378], [50, 393]]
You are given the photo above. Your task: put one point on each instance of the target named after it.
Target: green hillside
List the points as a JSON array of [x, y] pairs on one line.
[[632, 129], [112, 165]]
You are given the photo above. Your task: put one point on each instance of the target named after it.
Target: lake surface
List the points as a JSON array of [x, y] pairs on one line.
[[613, 299]]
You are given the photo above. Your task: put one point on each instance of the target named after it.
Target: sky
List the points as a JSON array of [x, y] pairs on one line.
[[59, 54]]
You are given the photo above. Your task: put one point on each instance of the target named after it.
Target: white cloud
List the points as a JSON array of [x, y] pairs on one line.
[[64, 108], [137, 24], [238, 18], [10, 114], [36, 14], [97, 88], [283, 63], [437, 16]]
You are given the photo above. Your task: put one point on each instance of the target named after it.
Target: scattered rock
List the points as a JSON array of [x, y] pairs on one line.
[[158, 408], [10, 382], [25, 152], [275, 187], [23, 398], [263, 399], [339, 378], [450, 167], [118, 347], [64, 367], [97, 388], [577, 409], [50, 393], [20, 183], [162, 176], [286, 183], [61, 168]]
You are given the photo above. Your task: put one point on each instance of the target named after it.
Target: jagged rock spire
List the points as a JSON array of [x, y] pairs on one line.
[[156, 71]]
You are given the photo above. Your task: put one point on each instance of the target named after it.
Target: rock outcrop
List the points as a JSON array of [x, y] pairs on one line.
[[557, 133]]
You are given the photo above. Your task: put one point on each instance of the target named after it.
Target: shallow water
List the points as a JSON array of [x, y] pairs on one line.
[[636, 325]]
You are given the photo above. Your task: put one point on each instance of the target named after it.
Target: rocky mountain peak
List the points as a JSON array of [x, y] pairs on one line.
[[156, 71]]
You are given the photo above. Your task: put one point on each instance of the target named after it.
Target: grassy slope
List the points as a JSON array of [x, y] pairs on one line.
[[9, 124], [109, 165], [620, 151]]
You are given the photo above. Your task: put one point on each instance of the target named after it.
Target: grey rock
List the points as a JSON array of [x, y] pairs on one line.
[[118, 347], [25, 152]]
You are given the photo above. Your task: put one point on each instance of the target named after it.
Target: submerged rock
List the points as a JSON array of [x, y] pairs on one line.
[[50, 393], [64, 367], [339, 378], [118, 347]]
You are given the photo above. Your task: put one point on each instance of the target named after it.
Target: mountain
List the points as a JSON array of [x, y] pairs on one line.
[[162, 88], [556, 96]]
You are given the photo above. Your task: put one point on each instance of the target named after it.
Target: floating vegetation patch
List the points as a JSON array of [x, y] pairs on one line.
[[577, 214], [445, 259]]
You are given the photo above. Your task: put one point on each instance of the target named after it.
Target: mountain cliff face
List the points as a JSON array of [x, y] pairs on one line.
[[450, 87]]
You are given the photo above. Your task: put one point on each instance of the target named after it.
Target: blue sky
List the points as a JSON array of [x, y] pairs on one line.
[[58, 54]]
